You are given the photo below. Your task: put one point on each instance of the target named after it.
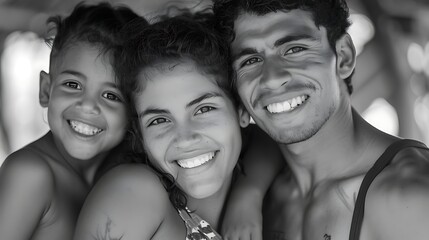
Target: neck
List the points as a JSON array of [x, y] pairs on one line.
[[84, 169], [338, 150], [211, 208]]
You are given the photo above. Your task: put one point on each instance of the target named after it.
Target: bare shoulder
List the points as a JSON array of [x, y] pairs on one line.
[[407, 173], [29, 169], [26, 192], [138, 178], [128, 202], [397, 201]]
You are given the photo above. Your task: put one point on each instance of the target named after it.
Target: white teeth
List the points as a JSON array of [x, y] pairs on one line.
[[196, 161], [286, 106], [84, 129], [294, 103]]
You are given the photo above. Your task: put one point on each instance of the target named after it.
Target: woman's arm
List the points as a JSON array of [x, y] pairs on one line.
[[128, 203]]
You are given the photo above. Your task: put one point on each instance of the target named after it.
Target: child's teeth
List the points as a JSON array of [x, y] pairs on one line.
[[195, 161], [286, 105], [84, 129]]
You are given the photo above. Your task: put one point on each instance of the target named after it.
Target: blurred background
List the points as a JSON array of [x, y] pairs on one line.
[[391, 82]]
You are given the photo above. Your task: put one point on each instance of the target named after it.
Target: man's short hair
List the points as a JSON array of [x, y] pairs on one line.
[[331, 14]]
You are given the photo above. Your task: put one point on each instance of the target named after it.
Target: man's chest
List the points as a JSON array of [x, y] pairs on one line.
[[325, 214]]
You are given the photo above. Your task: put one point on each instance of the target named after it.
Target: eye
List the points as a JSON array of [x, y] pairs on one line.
[[158, 121], [204, 110], [251, 61], [294, 50], [112, 96], [73, 85]]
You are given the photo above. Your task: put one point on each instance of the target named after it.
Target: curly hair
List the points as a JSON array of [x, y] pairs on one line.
[[182, 38], [98, 25], [331, 14]]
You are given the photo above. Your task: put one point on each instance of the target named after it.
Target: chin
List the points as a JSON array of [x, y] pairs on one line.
[[81, 154], [203, 191]]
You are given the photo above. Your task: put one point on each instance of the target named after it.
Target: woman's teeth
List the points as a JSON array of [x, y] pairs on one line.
[[84, 129], [196, 161], [287, 105]]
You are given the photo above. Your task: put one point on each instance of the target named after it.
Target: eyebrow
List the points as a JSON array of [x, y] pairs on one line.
[[75, 73], [202, 98], [190, 104], [279, 42], [292, 38], [153, 111], [83, 76]]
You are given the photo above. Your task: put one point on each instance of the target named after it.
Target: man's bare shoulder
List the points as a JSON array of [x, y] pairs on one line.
[[408, 170], [398, 198]]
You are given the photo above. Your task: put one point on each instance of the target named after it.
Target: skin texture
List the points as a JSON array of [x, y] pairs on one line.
[[43, 185], [162, 123], [130, 202], [328, 146]]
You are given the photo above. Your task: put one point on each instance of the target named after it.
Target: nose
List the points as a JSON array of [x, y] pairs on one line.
[[274, 74], [186, 138], [88, 104]]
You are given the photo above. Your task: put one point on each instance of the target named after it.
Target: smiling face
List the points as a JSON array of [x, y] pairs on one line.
[[85, 111], [286, 73], [190, 127]]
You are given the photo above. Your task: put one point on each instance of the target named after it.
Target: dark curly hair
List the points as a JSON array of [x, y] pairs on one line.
[[185, 37], [331, 14], [98, 25]]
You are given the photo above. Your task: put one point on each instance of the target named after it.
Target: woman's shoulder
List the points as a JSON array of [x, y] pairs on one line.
[[129, 200], [137, 178]]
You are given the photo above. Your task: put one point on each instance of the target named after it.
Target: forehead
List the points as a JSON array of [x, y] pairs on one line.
[[174, 80], [250, 28], [82, 57]]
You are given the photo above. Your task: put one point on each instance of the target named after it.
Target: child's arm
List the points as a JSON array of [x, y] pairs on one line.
[[25, 190], [262, 161]]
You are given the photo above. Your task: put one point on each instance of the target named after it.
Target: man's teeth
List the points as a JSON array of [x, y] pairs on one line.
[[84, 129], [286, 106], [196, 161]]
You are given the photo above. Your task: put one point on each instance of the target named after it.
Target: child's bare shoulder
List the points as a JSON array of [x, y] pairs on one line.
[[25, 175], [29, 165]]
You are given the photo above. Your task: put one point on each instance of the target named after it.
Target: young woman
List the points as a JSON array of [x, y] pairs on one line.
[[176, 75]]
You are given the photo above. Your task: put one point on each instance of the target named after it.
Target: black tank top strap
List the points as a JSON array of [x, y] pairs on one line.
[[379, 165]]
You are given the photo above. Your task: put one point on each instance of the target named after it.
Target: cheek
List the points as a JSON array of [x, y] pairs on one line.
[[155, 151], [119, 116], [247, 77]]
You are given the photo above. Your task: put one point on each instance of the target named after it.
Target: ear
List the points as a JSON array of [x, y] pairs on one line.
[[44, 88], [346, 56], [243, 116]]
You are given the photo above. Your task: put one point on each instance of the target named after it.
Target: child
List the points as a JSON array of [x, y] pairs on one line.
[[43, 185], [175, 75]]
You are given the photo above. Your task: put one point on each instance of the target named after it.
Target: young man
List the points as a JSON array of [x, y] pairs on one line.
[[293, 62]]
